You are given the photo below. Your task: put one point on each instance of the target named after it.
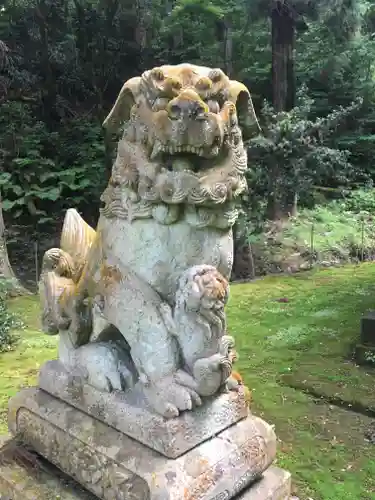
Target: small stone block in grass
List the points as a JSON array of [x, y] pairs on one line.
[[365, 354], [368, 328]]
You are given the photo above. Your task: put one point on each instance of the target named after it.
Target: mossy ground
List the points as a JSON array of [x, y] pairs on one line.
[[19, 368], [305, 341]]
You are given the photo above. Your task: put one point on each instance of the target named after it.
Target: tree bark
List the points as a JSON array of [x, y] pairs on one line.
[[283, 96], [6, 271], [283, 35], [228, 48]]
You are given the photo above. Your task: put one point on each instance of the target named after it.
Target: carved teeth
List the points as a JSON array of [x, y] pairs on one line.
[[158, 147], [155, 150]]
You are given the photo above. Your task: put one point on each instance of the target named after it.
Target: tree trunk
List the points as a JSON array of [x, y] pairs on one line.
[[228, 48], [49, 91], [283, 34], [283, 95], [6, 271]]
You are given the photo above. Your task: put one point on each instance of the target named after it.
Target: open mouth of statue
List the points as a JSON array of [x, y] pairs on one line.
[[186, 157], [189, 150]]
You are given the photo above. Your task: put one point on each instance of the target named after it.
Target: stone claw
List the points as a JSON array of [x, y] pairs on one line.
[[169, 396]]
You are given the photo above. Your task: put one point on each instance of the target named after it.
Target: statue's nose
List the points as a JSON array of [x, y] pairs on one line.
[[186, 107]]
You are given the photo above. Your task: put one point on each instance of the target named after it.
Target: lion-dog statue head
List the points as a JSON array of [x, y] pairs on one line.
[[182, 143]]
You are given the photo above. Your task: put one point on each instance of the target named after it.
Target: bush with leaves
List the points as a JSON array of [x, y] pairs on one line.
[[360, 201], [294, 152], [324, 235], [45, 170], [9, 322], [26, 179]]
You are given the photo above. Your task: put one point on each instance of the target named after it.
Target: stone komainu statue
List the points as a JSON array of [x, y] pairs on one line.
[[140, 301]]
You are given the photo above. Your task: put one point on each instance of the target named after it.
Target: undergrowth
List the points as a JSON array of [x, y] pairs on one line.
[[339, 232], [10, 322]]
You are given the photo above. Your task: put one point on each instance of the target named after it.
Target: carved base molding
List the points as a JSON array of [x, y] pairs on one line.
[[115, 467], [24, 475], [130, 414]]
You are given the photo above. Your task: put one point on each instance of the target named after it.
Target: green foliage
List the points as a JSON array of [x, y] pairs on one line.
[[9, 321], [313, 439], [42, 168], [340, 231], [295, 152], [329, 234], [28, 175], [369, 356], [63, 63], [360, 201]]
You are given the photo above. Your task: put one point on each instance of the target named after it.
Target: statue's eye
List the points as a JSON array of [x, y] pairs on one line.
[[213, 106], [160, 103]]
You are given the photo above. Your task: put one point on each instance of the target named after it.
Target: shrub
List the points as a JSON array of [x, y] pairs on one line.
[[9, 322], [327, 234], [361, 200]]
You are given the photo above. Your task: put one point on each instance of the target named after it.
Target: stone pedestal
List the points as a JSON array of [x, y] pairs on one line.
[[116, 448], [365, 350], [24, 475], [130, 413], [368, 328], [113, 466]]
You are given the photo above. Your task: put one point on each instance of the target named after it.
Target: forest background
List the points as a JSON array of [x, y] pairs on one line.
[[309, 66]]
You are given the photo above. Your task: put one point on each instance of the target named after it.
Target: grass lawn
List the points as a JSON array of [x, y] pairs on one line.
[[303, 342]]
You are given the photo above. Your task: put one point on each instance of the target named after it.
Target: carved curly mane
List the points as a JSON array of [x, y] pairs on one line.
[[181, 146]]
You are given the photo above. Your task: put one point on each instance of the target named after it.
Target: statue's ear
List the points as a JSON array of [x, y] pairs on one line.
[[247, 119], [124, 103]]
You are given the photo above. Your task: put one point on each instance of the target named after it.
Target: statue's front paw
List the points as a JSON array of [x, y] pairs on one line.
[[168, 397], [106, 382], [233, 384]]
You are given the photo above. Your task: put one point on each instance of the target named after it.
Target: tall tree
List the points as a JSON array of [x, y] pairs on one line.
[[287, 18], [6, 271]]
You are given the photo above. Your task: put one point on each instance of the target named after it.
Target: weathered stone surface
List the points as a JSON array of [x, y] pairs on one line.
[[274, 485], [112, 465], [130, 413], [155, 271], [368, 328], [24, 475], [365, 354]]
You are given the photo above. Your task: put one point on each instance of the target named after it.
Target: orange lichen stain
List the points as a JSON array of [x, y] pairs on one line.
[[237, 376], [203, 484], [110, 275], [158, 74], [172, 86], [228, 110], [220, 289], [161, 122], [203, 83], [233, 357], [154, 480], [188, 95], [246, 390], [186, 75], [67, 295], [247, 395], [216, 285]]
